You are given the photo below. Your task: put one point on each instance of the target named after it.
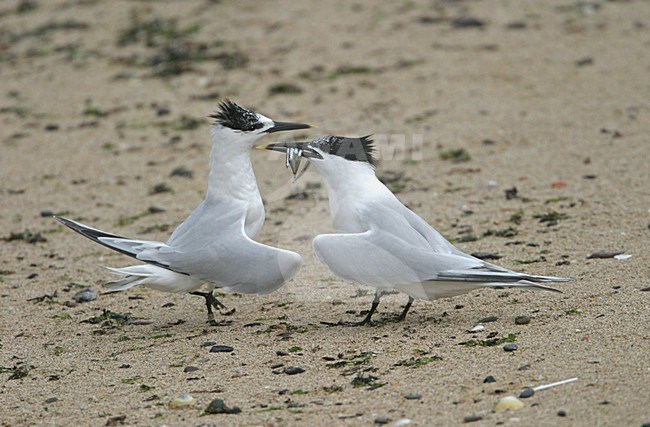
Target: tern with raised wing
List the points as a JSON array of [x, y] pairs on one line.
[[214, 245]]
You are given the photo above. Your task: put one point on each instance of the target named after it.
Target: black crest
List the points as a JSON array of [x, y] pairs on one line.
[[235, 117], [357, 149]]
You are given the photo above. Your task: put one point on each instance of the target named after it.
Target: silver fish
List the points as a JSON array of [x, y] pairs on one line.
[[293, 159]]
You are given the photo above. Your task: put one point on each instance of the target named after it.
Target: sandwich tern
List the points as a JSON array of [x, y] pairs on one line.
[[214, 244], [382, 243]]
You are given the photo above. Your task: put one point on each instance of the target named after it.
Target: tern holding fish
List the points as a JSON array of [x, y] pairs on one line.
[[382, 243], [214, 245]]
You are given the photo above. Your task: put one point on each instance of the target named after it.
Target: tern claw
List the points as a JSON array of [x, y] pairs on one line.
[[212, 301]]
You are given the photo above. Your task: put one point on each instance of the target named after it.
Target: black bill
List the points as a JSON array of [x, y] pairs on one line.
[[283, 126]]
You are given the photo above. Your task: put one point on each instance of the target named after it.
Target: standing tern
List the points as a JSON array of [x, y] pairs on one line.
[[382, 243], [214, 244]]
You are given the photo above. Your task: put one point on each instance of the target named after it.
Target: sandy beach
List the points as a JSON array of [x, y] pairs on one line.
[[519, 130]]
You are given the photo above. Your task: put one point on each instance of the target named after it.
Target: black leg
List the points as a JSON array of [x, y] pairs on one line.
[[366, 320], [211, 301], [406, 310]]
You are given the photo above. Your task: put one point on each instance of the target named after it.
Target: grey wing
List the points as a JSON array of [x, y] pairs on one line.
[[399, 248], [437, 242], [209, 218], [228, 259], [382, 259]]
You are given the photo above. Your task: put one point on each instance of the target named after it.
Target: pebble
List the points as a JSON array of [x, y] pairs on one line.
[[182, 172], [221, 349], [467, 22], [562, 413], [85, 295], [477, 328], [508, 402], [522, 320], [488, 319], [489, 379], [217, 406], [486, 255], [251, 324], [52, 400], [472, 418], [529, 392], [604, 255], [382, 420], [208, 344], [190, 369], [181, 402], [510, 347], [293, 370], [412, 396]]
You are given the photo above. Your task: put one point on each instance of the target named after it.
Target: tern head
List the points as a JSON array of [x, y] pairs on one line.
[[331, 153], [237, 123]]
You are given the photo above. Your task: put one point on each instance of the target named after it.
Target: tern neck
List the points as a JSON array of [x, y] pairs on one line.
[[231, 171]]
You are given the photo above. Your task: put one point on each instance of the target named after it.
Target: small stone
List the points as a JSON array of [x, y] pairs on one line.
[[85, 295], [382, 420], [182, 172], [281, 353], [508, 402], [522, 320], [584, 61], [51, 127], [529, 392], [489, 379], [486, 255], [116, 421], [488, 319], [412, 396], [472, 418], [467, 22], [477, 328], [162, 111], [217, 406], [562, 413], [221, 349], [208, 344], [190, 369], [293, 370], [52, 400], [181, 402], [510, 347], [604, 254], [511, 193]]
